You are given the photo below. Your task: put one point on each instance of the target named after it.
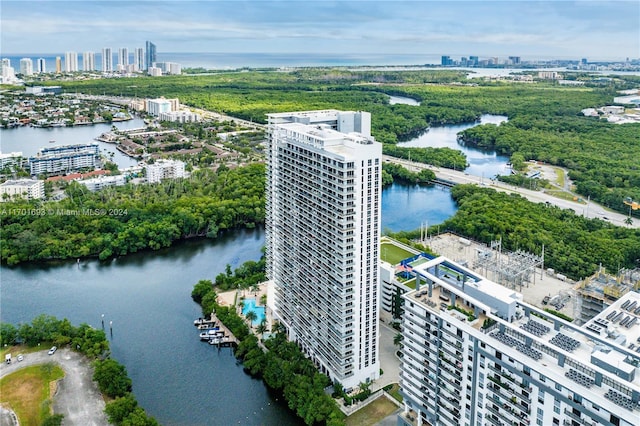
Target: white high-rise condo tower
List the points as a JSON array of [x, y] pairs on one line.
[[107, 60], [322, 238], [123, 56], [138, 59], [26, 66], [89, 61], [71, 62], [42, 65]]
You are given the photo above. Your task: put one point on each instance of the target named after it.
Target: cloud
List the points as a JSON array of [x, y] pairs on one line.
[[578, 27]]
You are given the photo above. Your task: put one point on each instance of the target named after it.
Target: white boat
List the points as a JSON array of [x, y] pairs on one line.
[[206, 335]]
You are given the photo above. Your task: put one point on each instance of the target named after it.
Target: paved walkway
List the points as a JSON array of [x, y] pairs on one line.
[[77, 397]]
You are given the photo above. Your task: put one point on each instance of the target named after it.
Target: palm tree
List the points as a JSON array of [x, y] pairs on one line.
[[251, 317], [628, 221], [262, 327], [397, 339]]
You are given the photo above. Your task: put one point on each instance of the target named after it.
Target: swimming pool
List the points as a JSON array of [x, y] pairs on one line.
[[250, 305]]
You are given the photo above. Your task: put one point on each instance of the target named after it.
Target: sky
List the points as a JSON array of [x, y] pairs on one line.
[[599, 30]]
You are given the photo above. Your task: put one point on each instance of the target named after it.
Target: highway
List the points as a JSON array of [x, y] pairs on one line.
[[591, 209]]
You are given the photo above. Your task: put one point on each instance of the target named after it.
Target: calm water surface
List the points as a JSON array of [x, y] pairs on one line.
[[177, 379], [29, 140], [481, 162]]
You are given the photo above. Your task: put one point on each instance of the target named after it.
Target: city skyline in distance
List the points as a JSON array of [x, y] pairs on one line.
[[552, 29]]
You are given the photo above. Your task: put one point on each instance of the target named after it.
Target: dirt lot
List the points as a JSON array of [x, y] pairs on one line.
[[77, 396]]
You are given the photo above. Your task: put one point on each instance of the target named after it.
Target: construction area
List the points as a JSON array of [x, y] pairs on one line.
[[602, 289], [521, 271]]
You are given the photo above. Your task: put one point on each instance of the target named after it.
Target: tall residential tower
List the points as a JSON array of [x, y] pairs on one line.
[[107, 60], [322, 237], [150, 54]]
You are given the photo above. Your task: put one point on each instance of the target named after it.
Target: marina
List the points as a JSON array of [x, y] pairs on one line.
[[214, 332]]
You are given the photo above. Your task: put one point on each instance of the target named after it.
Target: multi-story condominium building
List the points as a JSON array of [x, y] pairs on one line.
[[8, 73], [89, 61], [150, 55], [101, 182], [71, 62], [26, 66], [180, 116], [138, 59], [154, 71], [58, 64], [322, 235], [107, 60], [64, 159], [158, 106], [25, 188], [123, 56], [475, 354], [165, 169], [42, 65], [10, 158]]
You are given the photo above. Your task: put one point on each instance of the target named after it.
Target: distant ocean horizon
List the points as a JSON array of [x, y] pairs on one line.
[[231, 61], [211, 60]]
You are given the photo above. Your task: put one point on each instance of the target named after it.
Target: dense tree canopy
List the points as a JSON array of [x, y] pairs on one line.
[[121, 220], [545, 123], [574, 245]]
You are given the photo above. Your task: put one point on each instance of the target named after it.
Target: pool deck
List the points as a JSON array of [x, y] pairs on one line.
[[233, 298]]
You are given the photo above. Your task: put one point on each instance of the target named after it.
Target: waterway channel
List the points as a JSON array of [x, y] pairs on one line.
[[29, 140]]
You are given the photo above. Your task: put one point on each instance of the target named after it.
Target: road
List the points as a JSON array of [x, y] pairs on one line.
[[77, 397], [591, 210]]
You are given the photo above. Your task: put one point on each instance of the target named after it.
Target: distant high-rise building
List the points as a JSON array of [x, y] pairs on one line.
[[322, 238], [150, 54], [42, 65], [446, 60], [107, 60], [138, 59], [515, 60], [7, 71], [123, 56], [89, 61], [71, 62], [473, 60], [584, 61], [26, 66], [58, 64]]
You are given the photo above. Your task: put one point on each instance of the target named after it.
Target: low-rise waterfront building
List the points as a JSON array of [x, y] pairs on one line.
[[165, 169], [98, 183], [180, 116], [10, 158], [64, 159], [26, 188]]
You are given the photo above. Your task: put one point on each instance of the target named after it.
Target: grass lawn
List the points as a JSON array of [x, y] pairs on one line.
[[372, 413], [393, 254], [22, 349], [395, 392], [28, 392], [559, 176]]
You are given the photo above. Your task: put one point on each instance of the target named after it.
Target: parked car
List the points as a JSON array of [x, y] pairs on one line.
[[52, 350], [20, 357]]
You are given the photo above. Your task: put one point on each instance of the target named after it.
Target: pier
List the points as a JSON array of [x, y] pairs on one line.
[[227, 338]]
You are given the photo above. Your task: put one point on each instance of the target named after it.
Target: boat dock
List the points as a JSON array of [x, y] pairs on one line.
[[222, 335]]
